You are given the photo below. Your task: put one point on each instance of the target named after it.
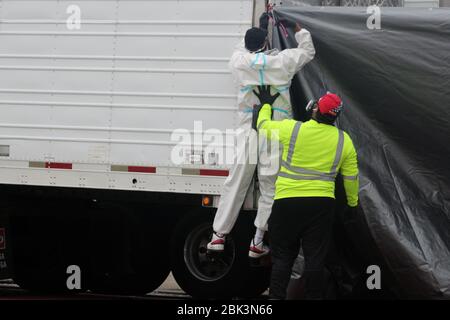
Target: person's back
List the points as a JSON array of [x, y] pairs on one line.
[[252, 66], [319, 151], [274, 68], [313, 154]]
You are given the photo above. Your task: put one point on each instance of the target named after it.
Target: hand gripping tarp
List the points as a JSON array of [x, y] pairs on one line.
[[395, 84]]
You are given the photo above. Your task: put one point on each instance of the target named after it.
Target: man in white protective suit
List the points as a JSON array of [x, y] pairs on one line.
[[251, 66]]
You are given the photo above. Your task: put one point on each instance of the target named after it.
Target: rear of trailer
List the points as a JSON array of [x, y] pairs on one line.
[[113, 120]]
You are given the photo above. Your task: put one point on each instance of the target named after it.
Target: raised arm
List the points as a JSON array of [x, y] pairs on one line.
[[272, 69], [293, 60]]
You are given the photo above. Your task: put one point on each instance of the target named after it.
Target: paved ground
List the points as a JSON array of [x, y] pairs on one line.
[[167, 291]]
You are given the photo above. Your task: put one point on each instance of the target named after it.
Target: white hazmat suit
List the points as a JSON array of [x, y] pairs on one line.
[[249, 71]]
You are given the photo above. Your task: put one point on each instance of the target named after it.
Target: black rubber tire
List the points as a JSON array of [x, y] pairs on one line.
[[257, 280], [239, 279]]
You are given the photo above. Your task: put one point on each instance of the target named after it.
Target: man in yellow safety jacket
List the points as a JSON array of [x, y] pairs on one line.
[[313, 153]]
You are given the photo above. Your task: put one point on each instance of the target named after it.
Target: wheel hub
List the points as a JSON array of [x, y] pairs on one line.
[[202, 264]]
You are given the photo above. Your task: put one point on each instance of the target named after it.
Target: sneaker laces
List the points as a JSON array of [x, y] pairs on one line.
[[217, 237], [256, 245]]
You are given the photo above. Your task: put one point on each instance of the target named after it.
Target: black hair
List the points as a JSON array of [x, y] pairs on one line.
[[324, 118], [255, 39]]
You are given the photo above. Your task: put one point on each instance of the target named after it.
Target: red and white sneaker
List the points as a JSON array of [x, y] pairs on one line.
[[258, 250], [217, 242]]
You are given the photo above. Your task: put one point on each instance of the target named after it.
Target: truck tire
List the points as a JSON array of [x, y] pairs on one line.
[[258, 278], [223, 275]]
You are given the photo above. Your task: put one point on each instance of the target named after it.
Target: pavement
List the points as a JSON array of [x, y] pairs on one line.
[[169, 290]]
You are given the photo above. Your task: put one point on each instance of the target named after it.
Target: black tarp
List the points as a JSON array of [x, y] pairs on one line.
[[395, 84]]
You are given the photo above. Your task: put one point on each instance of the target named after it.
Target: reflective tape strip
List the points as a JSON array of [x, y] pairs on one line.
[[261, 123], [254, 60], [58, 165], [311, 174], [304, 177], [247, 110], [119, 168], [246, 88], [204, 172], [135, 169], [280, 110], [211, 172], [50, 165], [339, 149], [36, 164], [140, 169], [281, 89], [261, 71], [307, 171], [293, 141], [261, 77], [350, 177]]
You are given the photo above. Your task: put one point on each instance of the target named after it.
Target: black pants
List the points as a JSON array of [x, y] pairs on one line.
[[300, 220]]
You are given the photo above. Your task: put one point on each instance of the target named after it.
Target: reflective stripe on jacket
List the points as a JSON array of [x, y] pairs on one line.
[[313, 154]]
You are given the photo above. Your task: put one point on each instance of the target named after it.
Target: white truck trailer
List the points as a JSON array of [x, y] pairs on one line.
[[93, 98]]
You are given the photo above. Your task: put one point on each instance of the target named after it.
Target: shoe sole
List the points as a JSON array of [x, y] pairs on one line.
[[254, 255], [216, 249]]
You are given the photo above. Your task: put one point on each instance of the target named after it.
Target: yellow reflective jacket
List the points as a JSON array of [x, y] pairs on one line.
[[313, 154]]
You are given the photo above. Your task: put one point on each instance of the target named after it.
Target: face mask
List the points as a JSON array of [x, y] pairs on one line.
[[264, 47]]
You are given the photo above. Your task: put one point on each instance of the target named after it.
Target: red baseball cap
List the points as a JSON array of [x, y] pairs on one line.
[[330, 104]]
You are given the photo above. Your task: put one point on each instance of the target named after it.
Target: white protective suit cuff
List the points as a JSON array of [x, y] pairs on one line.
[[301, 35]]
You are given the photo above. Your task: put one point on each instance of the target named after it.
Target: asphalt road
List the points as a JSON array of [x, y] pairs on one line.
[[169, 290]]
